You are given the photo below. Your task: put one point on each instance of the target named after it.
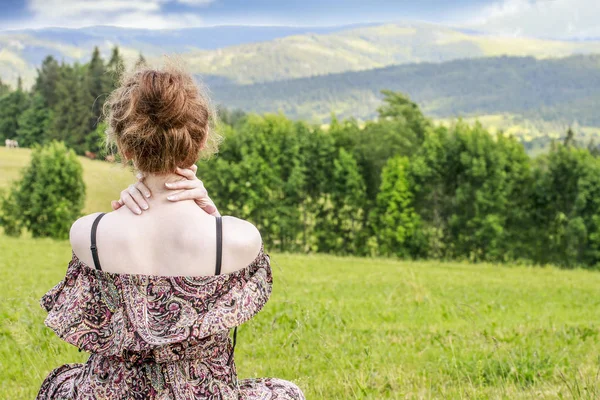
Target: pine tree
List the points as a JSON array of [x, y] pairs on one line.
[[570, 138], [34, 123], [115, 69], [96, 81], [72, 114], [12, 106], [4, 88], [47, 80], [141, 61]]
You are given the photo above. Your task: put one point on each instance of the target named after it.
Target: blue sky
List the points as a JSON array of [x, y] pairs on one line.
[[544, 18]]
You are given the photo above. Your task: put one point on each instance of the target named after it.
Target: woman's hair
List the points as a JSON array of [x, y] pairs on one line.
[[160, 119]]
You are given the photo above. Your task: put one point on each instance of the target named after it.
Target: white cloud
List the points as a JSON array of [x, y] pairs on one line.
[[195, 2], [541, 18], [152, 14]]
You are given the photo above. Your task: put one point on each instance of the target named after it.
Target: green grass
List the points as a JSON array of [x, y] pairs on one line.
[[103, 181], [351, 328]]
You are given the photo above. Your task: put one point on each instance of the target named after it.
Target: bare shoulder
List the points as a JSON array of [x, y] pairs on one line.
[[241, 237], [80, 233]]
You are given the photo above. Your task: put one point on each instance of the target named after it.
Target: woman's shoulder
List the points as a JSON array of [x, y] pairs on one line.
[[80, 233], [241, 237]]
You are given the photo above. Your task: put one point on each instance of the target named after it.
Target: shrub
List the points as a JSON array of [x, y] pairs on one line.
[[50, 195]]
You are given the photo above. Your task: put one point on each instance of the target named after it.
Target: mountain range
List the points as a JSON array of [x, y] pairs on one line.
[[531, 86], [253, 54]]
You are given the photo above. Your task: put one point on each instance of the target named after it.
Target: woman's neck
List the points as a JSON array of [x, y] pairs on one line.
[[156, 182]]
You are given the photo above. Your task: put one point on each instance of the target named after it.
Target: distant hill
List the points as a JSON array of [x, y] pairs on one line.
[[566, 89], [22, 51], [243, 54], [368, 47]]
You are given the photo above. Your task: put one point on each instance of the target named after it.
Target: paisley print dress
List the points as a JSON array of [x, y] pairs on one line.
[[157, 337]]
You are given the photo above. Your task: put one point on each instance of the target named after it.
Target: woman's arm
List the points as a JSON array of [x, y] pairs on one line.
[[134, 196]]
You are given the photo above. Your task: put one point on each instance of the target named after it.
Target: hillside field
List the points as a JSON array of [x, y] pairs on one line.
[[350, 328], [103, 181]]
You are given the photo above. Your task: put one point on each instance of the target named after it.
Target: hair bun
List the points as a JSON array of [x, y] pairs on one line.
[[163, 98], [160, 119]]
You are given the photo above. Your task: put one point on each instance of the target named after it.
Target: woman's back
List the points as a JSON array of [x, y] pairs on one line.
[[142, 296], [174, 239]]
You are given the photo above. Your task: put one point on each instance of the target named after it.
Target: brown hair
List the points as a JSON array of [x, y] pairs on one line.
[[160, 119]]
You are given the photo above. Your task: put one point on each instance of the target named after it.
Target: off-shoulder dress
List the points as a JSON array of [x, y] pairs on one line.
[[157, 337]]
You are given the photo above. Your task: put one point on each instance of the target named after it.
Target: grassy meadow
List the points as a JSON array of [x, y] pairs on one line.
[[350, 328]]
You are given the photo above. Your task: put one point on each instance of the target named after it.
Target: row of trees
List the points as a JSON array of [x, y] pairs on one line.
[[64, 104], [399, 186], [395, 186]]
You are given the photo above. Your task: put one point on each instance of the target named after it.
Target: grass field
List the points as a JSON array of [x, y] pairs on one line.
[[350, 328]]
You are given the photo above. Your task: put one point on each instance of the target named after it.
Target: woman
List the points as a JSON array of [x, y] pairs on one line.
[[153, 295]]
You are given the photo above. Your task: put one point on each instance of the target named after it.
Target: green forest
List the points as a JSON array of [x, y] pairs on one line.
[[561, 89], [396, 186]]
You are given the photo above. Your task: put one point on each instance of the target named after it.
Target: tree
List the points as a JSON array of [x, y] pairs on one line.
[[12, 106], [433, 190], [4, 88], [115, 69], [398, 107], [570, 138], [50, 195], [340, 224], [47, 80], [72, 114], [471, 192], [394, 220], [566, 208], [34, 123], [96, 82], [141, 61]]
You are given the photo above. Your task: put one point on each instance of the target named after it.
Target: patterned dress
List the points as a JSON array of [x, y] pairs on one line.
[[157, 337]]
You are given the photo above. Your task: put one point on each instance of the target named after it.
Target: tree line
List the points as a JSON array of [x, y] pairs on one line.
[[401, 186], [397, 185], [65, 103]]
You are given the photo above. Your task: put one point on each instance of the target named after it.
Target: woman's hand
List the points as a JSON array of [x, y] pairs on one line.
[[193, 189], [133, 197]]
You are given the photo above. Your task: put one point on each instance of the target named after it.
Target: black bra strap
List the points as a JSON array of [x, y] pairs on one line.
[[219, 245], [93, 247]]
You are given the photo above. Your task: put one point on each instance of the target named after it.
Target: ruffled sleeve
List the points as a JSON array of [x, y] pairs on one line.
[[84, 309], [114, 314]]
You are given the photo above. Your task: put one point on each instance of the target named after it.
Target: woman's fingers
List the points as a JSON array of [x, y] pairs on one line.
[[141, 186], [208, 206], [186, 173], [186, 185], [189, 194], [200, 196], [129, 202], [133, 199], [211, 210], [115, 205], [137, 196]]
